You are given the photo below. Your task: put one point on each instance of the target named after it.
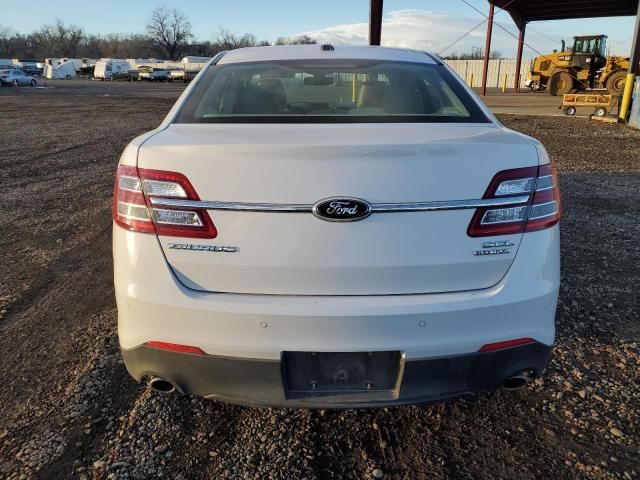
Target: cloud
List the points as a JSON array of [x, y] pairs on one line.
[[423, 30]]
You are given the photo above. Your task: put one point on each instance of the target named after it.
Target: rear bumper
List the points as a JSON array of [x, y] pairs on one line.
[[244, 335], [260, 382]]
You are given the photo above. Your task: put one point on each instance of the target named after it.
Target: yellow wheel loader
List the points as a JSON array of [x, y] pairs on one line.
[[584, 66]]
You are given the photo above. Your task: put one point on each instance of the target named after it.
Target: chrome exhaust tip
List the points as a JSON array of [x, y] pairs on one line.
[[161, 385]]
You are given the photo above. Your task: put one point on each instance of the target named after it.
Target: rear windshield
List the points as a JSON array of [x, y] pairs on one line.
[[328, 91]]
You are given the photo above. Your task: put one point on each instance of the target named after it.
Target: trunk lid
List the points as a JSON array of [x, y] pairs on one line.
[[299, 254]]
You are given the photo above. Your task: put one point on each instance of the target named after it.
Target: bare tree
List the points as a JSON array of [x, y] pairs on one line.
[[6, 41], [226, 40], [59, 39], [168, 35], [299, 40], [476, 54], [169, 31]]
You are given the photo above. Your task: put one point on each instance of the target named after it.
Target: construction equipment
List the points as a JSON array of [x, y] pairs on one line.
[[584, 66]]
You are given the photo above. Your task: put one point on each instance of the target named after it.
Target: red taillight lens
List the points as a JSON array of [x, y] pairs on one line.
[[133, 211], [546, 209], [175, 347], [542, 210], [129, 207], [489, 347]]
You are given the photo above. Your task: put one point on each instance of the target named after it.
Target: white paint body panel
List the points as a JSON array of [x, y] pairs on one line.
[[298, 254], [393, 281], [314, 52], [154, 305]]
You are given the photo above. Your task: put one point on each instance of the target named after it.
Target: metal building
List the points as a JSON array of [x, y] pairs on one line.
[[524, 11]]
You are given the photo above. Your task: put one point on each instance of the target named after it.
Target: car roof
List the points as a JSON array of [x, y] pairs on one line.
[[323, 52]]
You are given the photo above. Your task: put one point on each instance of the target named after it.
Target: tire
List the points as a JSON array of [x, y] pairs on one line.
[[615, 82], [33, 82], [560, 83], [68, 77], [535, 86], [600, 112], [570, 111]]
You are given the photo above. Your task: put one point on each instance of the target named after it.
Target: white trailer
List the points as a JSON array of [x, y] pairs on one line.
[[192, 59], [108, 68], [80, 63], [58, 68]]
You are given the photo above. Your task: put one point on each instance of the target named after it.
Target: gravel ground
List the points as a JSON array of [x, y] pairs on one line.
[[68, 408]]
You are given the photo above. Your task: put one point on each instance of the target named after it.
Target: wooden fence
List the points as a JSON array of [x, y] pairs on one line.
[[471, 71]]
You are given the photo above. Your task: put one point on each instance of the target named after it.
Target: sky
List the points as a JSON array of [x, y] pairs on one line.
[[424, 24]]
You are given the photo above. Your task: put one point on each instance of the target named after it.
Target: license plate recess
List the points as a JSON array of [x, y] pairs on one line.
[[359, 374]]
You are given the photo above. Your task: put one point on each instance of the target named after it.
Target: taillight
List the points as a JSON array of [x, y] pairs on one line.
[[541, 211], [490, 347], [175, 347], [133, 211]]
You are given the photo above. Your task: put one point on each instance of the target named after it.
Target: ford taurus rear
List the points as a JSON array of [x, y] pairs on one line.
[[334, 227]]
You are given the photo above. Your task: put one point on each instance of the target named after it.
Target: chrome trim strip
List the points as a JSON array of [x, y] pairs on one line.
[[241, 206], [555, 210], [545, 178], [449, 205], [375, 207], [133, 206]]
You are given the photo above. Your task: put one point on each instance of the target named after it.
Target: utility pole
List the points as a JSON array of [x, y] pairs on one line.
[[375, 22], [634, 59], [487, 50]]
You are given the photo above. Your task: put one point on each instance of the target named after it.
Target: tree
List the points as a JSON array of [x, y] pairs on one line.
[[476, 54], [59, 40], [169, 31], [299, 40], [226, 40], [6, 41]]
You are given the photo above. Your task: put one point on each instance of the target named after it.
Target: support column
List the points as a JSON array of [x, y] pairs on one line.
[[516, 83], [375, 22], [487, 49], [634, 59]]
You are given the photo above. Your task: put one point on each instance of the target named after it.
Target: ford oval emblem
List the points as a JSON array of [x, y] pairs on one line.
[[342, 209]]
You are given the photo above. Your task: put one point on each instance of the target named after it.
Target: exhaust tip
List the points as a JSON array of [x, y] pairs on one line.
[[515, 383], [519, 380], [161, 385]]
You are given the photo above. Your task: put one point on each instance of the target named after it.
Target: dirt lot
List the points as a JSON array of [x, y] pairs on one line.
[[68, 409]]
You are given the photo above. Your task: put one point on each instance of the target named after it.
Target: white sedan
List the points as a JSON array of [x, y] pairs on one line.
[[320, 226], [13, 77]]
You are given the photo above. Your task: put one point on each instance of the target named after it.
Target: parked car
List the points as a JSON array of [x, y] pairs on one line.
[[12, 76], [153, 74], [319, 226], [177, 75]]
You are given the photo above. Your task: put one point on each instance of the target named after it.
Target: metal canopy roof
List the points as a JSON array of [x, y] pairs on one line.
[[523, 11]]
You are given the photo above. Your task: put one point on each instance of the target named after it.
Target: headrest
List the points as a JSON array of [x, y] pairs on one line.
[[371, 94]]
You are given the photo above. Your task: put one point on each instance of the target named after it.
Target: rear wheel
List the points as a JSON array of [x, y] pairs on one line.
[[615, 82], [33, 82], [600, 112], [560, 83], [571, 111], [535, 86]]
